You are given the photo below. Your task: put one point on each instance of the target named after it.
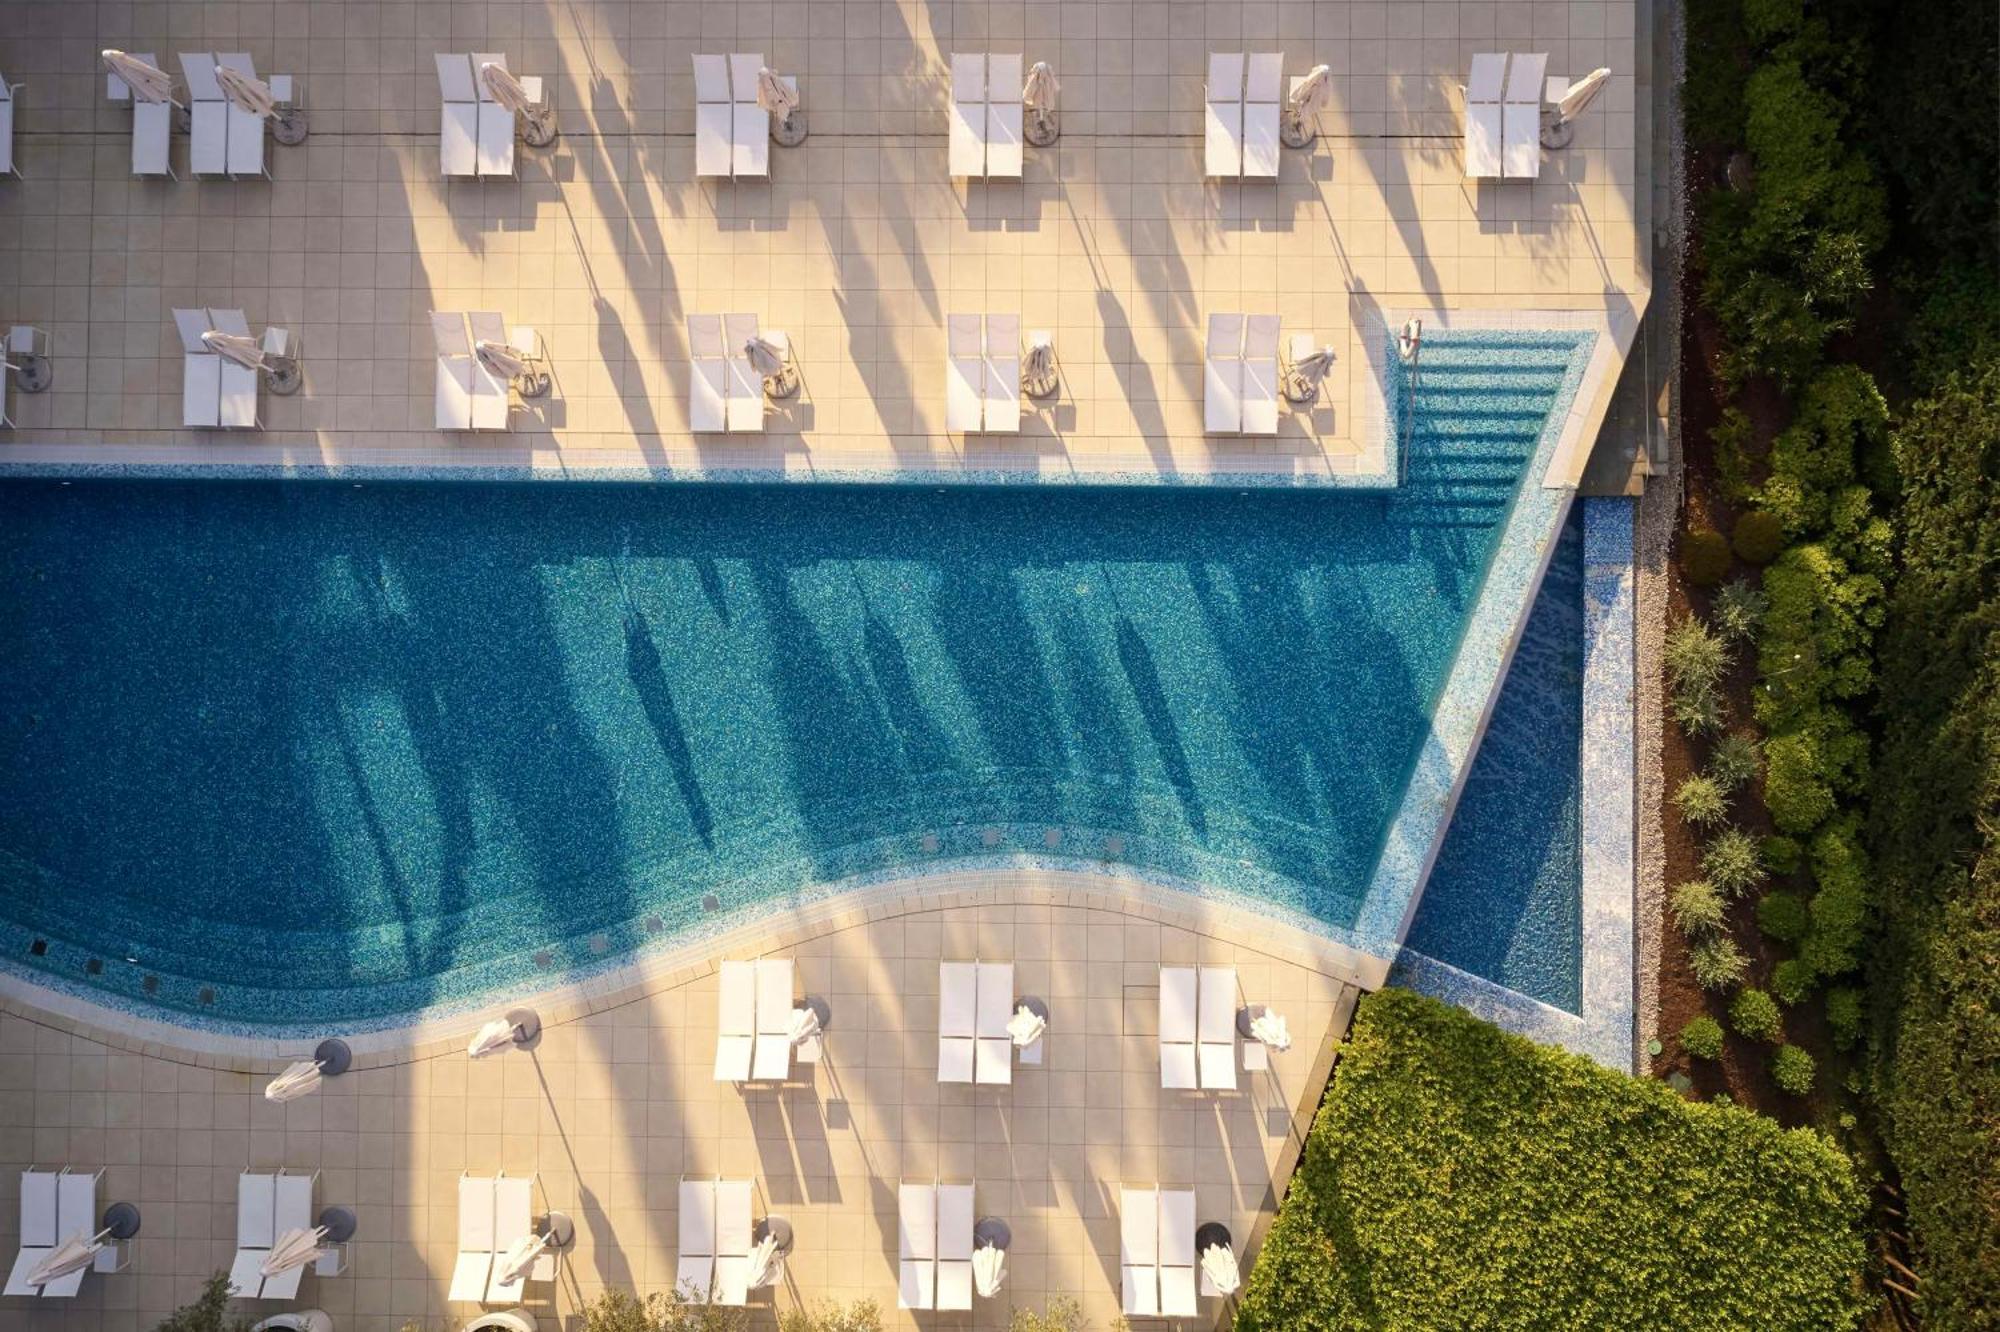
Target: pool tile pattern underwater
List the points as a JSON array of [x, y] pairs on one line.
[[311, 751]]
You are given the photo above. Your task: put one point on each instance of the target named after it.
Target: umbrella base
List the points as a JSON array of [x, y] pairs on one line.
[[333, 1057], [33, 374], [288, 127], [992, 1231], [1298, 392], [535, 384], [1211, 1236], [283, 377], [783, 384], [1043, 387], [339, 1224], [538, 128], [778, 1229], [1294, 132], [121, 1220], [1556, 132], [1245, 1016], [1042, 129], [791, 131]]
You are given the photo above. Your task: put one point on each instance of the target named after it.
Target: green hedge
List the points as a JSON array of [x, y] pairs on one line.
[[1460, 1177]]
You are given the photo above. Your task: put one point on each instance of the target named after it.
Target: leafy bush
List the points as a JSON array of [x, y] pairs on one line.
[[1704, 556], [1702, 1037], [1840, 908], [1796, 791], [1737, 609], [1063, 1315], [1783, 916], [1793, 981], [621, 1311], [1732, 864], [1783, 855], [1815, 644], [1733, 439], [1716, 961], [1697, 908], [1696, 660], [861, 1316], [1755, 1014], [1701, 802], [1814, 468], [1697, 709], [1757, 537], [1461, 1177], [1843, 1016], [1733, 760], [209, 1312], [1792, 1070]]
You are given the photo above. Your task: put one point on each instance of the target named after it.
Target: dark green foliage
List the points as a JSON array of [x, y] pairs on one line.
[[1792, 1070], [1736, 463], [1702, 1038], [1460, 1177], [826, 1316], [1757, 537], [1732, 863], [1738, 609], [1716, 961], [209, 1312], [1704, 556], [1783, 916], [1844, 1016], [1814, 477], [1815, 647], [1796, 790], [1755, 1014], [1840, 905], [1935, 978], [1734, 760], [1793, 981], [1783, 855]]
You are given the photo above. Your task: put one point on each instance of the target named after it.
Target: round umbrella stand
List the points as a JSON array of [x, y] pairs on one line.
[[1295, 132], [777, 1229], [288, 127], [284, 378], [538, 127], [791, 131], [527, 1025], [820, 1008], [1034, 1005], [1557, 132], [560, 1229], [1042, 128], [332, 1056], [1246, 1016], [1212, 1235], [121, 1219], [33, 373], [992, 1230], [338, 1223]]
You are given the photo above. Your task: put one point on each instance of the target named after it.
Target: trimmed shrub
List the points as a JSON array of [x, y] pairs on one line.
[[1717, 963], [1732, 864], [1757, 537], [1843, 1016], [1702, 1037], [1704, 556], [1701, 802], [1783, 855], [1815, 643], [617, 1310], [1461, 1177], [1840, 908], [1063, 1315], [1733, 760], [1734, 439], [1696, 660], [1792, 1070], [1755, 1014], [861, 1316], [1796, 791], [208, 1313], [1697, 709], [1697, 908], [1793, 981], [1783, 916], [1813, 460]]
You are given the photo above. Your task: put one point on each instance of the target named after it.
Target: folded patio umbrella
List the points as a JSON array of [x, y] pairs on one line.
[[989, 1269], [1039, 92], [1311, 370], [1581, 94], [1039, 365], [503, 361], [1026, 1027], [1270, 1028], [765, 356], [805, 1024], [72, 1255], [246, 92], [504, 88], [494, 1037], [148, 83], [299, 1080], [766, 1266], [1315, 90], [295, 1248], [774, 95], [514, 1264], [1220, 1266], [244, 351]]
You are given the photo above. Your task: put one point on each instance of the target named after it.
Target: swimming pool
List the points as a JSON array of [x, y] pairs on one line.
[[275, 756]]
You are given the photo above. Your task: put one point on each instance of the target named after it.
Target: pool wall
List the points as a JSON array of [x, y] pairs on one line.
[[1604, 1029]]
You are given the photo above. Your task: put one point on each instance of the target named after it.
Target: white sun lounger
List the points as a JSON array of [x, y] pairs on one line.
[[152, 125], [216, 392], [8, 93], [223, 139], [1216, 1028], [994, 1064], [753, 1041], [725, 392], [1240, 375], [1240, 136], [773, 1062], [469, 396], [56, 1206], [732, 133], [1521, 117], [268, 1206], [1198, 1028], [934, 1242], [975, 999], [735, 1021], [473, 1269], [1156, 1252], [513, 1221], [475, 133], [715, 1228], [1179, 989], [982, 373], [985, 138]]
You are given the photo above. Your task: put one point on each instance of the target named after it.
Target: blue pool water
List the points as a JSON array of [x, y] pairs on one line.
[[309, 753], [1504, 900]]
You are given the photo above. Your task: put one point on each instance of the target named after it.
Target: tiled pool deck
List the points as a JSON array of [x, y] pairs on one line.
[[618, 1103], [858, 246]]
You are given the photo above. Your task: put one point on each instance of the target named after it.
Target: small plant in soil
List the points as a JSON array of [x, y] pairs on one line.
[[1737, 610], [1783, 916], [1717, 963], [1701, 802], [1697, 908], [1755, 1015], [1792, 1070], [1732, 863], [1793, 981], [1702, 1038], [1733, 760]]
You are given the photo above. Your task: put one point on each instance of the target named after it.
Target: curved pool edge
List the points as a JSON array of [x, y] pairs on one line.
[[443, 1029]]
